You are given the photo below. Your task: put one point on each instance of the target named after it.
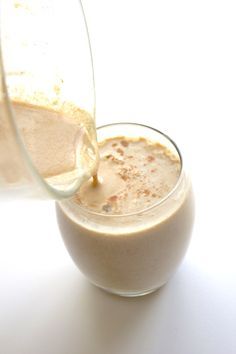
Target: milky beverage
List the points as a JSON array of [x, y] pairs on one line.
[[114, 232], [123, 232], [133, 175]]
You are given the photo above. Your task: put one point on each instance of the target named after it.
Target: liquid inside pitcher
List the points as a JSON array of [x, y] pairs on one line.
[[47, 128]]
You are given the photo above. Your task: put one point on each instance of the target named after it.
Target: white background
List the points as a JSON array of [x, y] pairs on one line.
[[172, 65]]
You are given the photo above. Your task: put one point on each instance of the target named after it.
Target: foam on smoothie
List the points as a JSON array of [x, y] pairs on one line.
[[133, 174]]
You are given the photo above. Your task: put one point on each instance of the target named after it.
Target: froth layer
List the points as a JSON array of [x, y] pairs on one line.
[[133, 175]]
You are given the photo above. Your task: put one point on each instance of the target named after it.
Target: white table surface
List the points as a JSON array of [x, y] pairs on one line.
[[171, 65]]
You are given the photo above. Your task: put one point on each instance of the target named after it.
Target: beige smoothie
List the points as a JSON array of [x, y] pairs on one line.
[[53, 137], [129, 232], [60, 142]]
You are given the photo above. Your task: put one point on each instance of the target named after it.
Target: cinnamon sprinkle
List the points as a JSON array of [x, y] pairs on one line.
[[113, 198], [120, 151], [150, 158], [124, 143]]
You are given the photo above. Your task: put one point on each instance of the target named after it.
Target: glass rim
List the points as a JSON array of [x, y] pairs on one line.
[[155, 204]]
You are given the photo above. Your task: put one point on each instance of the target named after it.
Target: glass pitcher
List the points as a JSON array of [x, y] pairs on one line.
[[47, 101]]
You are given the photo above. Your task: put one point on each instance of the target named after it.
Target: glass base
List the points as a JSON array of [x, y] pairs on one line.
[[124, 293]]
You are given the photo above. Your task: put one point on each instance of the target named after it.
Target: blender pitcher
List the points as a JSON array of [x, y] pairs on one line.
[[47, 129]]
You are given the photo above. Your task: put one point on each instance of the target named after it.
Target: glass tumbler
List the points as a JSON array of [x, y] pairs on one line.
[[131, 254], [45, 69]]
